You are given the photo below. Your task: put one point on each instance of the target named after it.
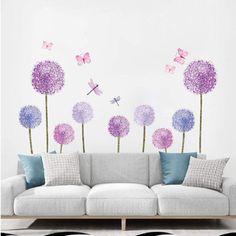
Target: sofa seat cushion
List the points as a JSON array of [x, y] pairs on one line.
[[121, 199], [68, 200], [179, 200]]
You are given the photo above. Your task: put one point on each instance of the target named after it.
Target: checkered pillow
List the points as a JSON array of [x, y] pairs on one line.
[[205, 173], [61, 169]]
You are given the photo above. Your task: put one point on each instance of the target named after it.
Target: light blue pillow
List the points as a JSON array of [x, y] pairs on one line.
[[174, 166], [33, 168]]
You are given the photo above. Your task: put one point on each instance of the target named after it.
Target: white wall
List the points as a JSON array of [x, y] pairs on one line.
[[130, 42]]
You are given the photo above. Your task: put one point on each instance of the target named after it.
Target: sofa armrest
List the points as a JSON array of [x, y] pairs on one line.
[[229, 189], [10, 188]]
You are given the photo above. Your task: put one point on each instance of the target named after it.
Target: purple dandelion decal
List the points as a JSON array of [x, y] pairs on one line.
[[118, 127], [144, 115], [82, 113], [200, 78], [30, 117], [162, 138], [47, 78], [183, 121], [63, 134]]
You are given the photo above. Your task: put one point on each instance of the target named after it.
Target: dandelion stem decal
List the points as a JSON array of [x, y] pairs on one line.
[[30, 117], [63, 134], [46, 119], [47, 78], [200, 78], [183, 141], [118, 144], [144, 138], [118, 127], [83, 137], [82, 113], [144, 115], [162, 139], [183, 121], [200, 127], [30, 141]]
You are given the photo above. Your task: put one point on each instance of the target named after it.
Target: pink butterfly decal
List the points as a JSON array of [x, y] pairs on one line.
[[170, 69], [94, 88], [47, 45], [83, 59], [180, 58]]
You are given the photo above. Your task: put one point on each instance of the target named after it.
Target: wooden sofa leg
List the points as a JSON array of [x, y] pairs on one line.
[[123, 224]]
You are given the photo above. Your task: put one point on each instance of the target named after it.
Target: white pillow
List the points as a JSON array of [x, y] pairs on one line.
[[205, 173], [61, 169]]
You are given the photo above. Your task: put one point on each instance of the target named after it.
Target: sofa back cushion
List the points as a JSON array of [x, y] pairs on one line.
[[155, 173], [119, 168]]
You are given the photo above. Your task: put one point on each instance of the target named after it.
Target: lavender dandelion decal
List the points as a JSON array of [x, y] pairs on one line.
[[183, 121], [118, 127], [30, 117], [63, 134], [47, 78], [200, 78], [82, 113], [144, 115], [162, 138]]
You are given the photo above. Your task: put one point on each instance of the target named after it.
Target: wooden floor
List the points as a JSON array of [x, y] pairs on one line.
[[103, 227]]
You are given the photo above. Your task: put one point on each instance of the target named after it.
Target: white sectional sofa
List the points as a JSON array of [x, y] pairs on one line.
[[121, 186]]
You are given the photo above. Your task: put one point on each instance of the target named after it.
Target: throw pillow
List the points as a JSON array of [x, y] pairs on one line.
[[205, 173], [33, 169], [174, 166], [61, 169]]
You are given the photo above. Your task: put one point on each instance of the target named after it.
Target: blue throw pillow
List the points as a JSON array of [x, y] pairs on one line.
[[33, 168], [174, 166]]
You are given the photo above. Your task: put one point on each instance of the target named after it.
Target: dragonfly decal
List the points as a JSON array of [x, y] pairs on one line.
[[115, 100], [94, 88]]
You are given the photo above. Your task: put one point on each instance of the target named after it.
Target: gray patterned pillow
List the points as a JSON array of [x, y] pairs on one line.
[[205, 173], [61, 169]]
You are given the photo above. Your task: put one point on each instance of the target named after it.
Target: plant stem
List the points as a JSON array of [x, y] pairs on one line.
[[61, 148], [30, 141], [118, 144], [46, 114], [166, 150], [183, 141], [200, 127], [144, 137], [83, 138]]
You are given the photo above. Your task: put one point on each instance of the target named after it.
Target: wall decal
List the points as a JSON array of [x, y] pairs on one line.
[[183, 121], [180, 58], [200, 78], [82, 113], [47, 78], [94, 88], [83, 59], [30, 117], [115, 100], [162, 138], [170, 69], [63, 134], [47, 45], [144, 115], [118, 127]]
